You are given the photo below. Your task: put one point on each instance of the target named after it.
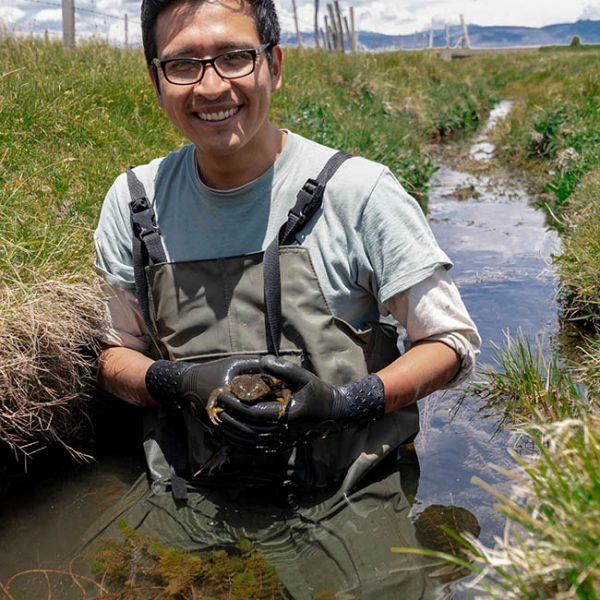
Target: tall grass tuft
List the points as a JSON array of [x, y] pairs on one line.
[[528, 384], [551, 544]]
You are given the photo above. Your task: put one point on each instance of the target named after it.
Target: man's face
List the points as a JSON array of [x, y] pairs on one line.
[[220, 117]]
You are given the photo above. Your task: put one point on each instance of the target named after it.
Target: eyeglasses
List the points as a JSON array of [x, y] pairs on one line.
[[231, 65]]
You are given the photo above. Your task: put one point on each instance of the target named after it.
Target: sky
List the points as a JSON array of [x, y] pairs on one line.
[[104, 18]]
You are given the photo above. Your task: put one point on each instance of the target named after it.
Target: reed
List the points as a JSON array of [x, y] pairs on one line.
[[551, 543]]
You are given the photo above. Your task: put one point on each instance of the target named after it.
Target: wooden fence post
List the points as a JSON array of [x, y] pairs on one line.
[[68, 22], [317, 44], [298, 36], [354, 38], [333, 28], [339, 26]]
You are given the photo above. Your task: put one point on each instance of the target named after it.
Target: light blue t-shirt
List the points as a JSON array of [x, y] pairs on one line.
[[369, 241]]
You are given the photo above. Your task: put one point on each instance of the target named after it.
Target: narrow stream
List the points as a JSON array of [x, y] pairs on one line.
[[502, 252]]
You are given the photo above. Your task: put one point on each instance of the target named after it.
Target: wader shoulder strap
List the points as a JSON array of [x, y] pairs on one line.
[[146, 243], [308, 201]]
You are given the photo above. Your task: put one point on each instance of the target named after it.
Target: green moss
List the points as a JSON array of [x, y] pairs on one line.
[[143, 565]]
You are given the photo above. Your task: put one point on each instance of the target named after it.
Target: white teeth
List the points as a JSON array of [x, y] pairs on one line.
[[219, 116]]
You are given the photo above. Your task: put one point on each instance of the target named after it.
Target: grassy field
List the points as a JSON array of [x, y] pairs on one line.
[[72, 121]]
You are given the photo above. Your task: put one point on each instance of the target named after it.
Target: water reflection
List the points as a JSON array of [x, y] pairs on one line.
[[503, 251], [322, 545]]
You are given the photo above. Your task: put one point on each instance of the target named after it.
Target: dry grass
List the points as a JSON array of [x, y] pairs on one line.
[[551, 544], [47, 346]]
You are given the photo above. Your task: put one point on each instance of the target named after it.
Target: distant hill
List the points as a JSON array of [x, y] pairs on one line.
[[481, 37]]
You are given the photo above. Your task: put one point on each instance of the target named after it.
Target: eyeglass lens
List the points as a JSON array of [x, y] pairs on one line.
[[229, 66]]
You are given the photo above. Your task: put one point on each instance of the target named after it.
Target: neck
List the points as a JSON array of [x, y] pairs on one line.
[[236, 169]]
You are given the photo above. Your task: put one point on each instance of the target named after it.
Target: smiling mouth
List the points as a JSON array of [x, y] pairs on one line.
[[218, 116]]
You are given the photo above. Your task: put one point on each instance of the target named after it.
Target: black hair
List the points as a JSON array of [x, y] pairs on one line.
[[265, 18]]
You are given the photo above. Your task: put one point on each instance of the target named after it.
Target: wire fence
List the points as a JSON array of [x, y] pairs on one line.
[[117, 23], [119, 27]]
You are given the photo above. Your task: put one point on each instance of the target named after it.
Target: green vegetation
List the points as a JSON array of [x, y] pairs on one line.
[[388, 107], [579, 263], [147, 568], [551, 546], [554, 131], [139, 567], [526, 384]]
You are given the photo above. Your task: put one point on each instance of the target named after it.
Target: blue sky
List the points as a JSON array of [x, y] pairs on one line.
[[105, 17]]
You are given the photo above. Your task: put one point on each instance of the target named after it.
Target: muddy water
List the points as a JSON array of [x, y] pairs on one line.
[[501, 250]]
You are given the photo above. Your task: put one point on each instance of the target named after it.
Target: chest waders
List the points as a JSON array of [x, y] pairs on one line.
[[256, 304]]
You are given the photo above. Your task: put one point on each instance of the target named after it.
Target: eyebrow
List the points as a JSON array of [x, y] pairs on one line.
[[219, 49]]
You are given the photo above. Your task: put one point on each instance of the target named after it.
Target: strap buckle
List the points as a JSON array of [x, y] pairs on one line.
[[308, 198], [142, 217]]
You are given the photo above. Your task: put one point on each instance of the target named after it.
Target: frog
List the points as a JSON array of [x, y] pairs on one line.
[[250, 388]]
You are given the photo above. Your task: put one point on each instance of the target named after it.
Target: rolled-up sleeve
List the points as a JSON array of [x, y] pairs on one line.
[[433, 310], [125, 323]]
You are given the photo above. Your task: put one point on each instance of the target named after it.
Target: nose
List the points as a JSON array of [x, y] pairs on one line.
[[211, 84]]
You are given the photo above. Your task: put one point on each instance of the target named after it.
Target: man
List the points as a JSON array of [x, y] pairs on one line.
[[196, 301]]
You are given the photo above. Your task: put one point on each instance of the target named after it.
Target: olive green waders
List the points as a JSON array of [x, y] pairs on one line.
[[321, 513]]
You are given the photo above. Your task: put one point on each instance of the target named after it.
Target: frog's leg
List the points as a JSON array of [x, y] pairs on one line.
[[215, 462], [284, 399], [212, 408]]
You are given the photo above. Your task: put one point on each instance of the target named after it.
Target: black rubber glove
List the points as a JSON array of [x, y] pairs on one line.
[[187, 386], [315, 406]]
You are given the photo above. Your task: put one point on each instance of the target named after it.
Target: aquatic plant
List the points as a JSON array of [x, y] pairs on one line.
[[139, 567], [143, 567]]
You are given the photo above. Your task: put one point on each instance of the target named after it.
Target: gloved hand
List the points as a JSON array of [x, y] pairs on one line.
[[315, 406], [188, 386]]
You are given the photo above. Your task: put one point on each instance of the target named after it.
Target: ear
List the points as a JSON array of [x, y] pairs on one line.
[[276, 68], [153, 73]]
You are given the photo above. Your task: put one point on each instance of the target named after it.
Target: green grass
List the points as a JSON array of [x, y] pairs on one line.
[[579, 264], [554, 131], [73, 120], [525, 385], [551, 548]]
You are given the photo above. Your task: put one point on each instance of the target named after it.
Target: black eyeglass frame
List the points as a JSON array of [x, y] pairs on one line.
[[255, 52]]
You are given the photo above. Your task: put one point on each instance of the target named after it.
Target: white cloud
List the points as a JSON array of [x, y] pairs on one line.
[[591, 11], [393, 17], [48, 15]]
